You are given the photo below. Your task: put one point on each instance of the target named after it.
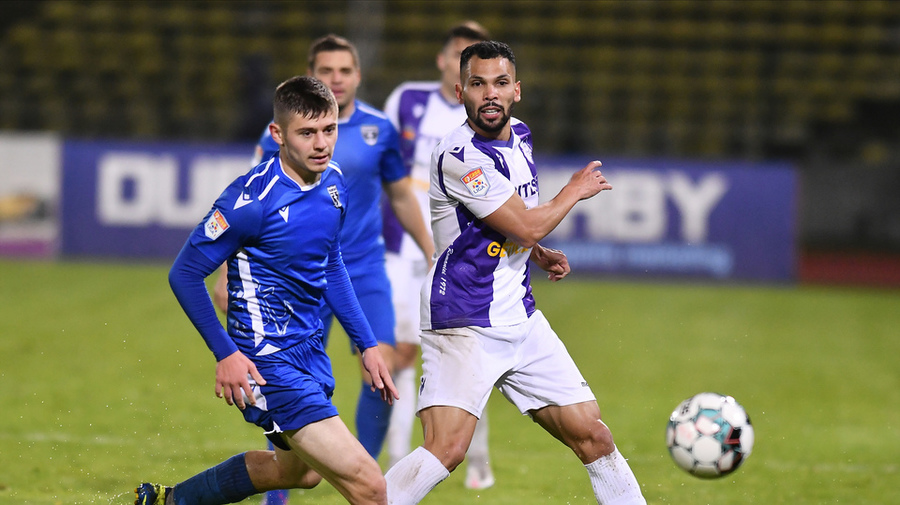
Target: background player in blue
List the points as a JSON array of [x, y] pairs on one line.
[[480, 326], [367, 151], [278, 228], [424, 112]]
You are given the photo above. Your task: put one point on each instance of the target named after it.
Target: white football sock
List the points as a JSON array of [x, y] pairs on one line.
[[477, 455], [614, 482], [403, 415], [413, 477]]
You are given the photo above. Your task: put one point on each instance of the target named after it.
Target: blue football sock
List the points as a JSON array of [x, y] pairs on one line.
[[227, 482], [372, 419], [278, 496]]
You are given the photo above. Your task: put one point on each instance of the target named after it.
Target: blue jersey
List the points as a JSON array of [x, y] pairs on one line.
[[368, 153], [280, 240]]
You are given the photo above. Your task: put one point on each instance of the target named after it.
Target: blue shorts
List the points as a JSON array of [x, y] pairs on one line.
[[373, 289], [299, 385]]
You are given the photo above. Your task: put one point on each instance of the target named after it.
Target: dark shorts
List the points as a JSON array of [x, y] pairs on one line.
[[299, 385]]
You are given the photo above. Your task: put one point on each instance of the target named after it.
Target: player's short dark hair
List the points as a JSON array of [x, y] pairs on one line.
[[331, 42], [468, 30], [305, 96], [486, 50]]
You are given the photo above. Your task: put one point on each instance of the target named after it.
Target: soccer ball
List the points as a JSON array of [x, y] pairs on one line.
[[709, 435]]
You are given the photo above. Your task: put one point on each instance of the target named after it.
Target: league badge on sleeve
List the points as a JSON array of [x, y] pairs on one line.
[[216, 225], [476, 182]]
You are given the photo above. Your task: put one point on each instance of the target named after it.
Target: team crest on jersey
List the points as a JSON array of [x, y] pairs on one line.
[[216, 225], [476, 182], [335, 196], [369, 134]]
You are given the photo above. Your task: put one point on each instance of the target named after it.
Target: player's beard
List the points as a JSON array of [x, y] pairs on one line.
[[494, 126]]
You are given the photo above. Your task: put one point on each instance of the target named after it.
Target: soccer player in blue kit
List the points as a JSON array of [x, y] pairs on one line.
[[367, 150], [480, 325], [278, 228]]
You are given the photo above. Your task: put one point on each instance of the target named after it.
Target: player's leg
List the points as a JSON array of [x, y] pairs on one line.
[[334, 453], [448, 431], [459, 368], [372, 414], [403, 412], [242, 476], [548, 386], [280, 469], [580, 428], [478, 467], [406, 277]]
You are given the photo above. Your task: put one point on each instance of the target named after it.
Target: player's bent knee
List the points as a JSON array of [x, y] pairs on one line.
[[308, 480], [590, 441], [451, 453], [369, 485]]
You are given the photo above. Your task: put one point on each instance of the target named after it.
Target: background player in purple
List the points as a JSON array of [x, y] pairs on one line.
[[278, 228], [480, 325], [424, 112]]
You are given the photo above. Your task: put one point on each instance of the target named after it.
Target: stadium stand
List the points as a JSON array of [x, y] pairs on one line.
[[746, 79], [683, 77]]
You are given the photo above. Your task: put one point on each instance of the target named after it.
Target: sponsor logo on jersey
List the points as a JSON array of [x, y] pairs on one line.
[[216, 225], [335, 196], [476, 182], [284, 212], [508, 248], [369, 134]]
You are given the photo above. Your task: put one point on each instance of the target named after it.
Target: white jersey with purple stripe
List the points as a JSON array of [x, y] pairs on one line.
[[423, 117], [480, 277]]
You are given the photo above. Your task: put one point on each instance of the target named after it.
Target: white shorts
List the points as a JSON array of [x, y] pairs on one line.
[[406, 276], [527, 362]]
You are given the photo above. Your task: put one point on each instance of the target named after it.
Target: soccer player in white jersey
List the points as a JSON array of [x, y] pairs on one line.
[[480, 326], [424, 112], [279, 227]]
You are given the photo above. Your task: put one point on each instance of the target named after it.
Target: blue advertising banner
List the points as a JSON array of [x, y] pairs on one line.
[[662, 218], [141, 199], [665, 218]]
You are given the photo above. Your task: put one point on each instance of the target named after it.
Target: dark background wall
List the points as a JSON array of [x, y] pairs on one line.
[[816, 83]]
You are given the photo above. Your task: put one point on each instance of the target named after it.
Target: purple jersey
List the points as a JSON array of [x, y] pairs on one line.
[[480, 278]]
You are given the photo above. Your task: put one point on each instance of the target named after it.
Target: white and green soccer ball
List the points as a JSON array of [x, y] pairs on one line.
[[709, 435]]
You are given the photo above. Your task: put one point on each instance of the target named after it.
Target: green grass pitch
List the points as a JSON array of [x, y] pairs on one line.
[[105, 383]]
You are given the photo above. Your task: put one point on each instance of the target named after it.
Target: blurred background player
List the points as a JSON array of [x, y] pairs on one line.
[[480, 325], [368, 154], [279, 228], [423, 112]]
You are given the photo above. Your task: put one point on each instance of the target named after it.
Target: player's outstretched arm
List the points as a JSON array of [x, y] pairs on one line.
[[381, 376], [526, 227], [231, 379]]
